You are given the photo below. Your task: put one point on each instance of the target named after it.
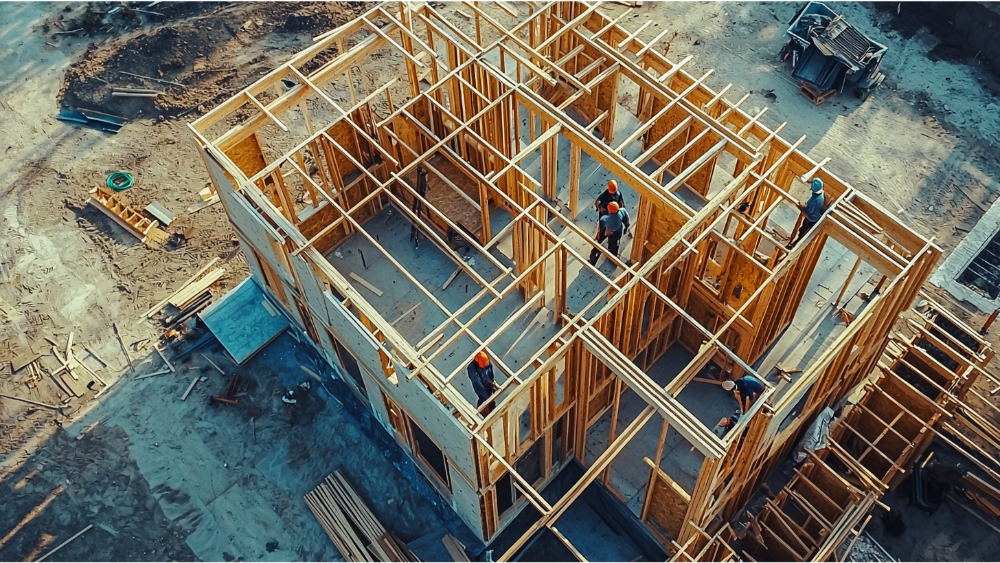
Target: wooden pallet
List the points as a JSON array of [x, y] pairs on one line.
[[129, 219], [815, 96], [358, 535]]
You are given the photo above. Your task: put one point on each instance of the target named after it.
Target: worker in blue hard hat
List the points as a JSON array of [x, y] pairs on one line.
[[811, 211]]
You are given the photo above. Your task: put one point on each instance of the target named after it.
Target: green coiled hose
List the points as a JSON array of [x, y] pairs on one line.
[[119, 181]]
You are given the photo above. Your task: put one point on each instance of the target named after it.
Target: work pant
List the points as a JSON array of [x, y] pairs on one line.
[[806, 226], [489, 407], [613, 240]]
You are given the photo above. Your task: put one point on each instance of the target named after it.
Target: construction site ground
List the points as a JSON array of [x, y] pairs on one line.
[[160, 478]]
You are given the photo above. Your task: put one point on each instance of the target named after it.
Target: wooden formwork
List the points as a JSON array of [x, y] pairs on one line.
[[917, 392], [299, 174]]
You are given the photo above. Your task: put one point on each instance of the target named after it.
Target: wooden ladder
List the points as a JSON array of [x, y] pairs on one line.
[[129, 219]]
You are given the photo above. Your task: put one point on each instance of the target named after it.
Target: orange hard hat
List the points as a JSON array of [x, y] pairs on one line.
[[612, 186], [482, 360], [613, 207]]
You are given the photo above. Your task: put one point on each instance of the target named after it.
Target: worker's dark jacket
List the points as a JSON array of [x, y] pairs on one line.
[[749, 384], [482, 380], [607, 197]]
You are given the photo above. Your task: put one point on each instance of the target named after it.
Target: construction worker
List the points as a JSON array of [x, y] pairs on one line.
[[811, 211], [727, 423], [483, 381], [746, 389], [611, 226], [609, 195]]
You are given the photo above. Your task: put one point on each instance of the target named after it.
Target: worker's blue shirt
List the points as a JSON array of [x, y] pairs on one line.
[[749, 384], [814, 207], [482, 379], [613, 222]]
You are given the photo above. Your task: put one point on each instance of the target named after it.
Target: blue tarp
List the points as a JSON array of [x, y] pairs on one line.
[[241, 322]]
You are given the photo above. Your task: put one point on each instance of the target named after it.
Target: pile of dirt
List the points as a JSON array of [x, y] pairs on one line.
[[950, 22], [194, 64], [167, 54]]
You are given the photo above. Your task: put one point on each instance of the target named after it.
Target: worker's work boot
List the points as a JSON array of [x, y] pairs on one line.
[[289, 397]]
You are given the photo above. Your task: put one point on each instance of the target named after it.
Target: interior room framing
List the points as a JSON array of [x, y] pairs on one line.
[[615, 365]]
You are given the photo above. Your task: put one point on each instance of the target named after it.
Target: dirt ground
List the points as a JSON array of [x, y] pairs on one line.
[[923, 145]]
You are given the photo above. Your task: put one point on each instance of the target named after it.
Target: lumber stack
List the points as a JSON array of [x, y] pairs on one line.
[[129, 219], [196, 290], [358, 535]]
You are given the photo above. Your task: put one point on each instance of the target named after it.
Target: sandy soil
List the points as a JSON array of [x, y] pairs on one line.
[[919, 145]]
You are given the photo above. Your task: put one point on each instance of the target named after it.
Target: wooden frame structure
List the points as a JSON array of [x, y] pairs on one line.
[[299, 174], [917, 391]]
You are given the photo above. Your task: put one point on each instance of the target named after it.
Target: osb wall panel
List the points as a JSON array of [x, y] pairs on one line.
[[353, 195], [664, 223], [312, 288], [682, 81], [249, 222], [247, 155], [344, 134], [409, 135], [702, 179], [587, 106], [668, 503], [318, 220], [883, 407], [701, 312], [466, 502], [419, 110], [745, 274], [665, 125]]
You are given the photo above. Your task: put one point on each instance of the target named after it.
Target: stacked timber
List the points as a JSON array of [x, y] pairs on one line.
[[358, 535], [196, 290]]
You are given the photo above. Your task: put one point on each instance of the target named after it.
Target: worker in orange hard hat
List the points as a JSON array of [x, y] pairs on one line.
[[611, 226], [483, 381], [610, 195]]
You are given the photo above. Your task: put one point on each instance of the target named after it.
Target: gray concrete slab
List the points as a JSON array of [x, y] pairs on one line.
[[816, 325], [707, 401], [670, 364], [592, 537]]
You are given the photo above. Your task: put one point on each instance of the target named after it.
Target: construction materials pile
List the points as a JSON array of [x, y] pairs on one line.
[[829, 54]]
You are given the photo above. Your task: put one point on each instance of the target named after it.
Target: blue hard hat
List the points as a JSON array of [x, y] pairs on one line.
[[817, 185]]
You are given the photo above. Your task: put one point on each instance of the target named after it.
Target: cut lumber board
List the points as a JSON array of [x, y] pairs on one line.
[[96, 357], [20, 362], [312, 374], [405, 314], [207, 203], [12, 314], [36, 403], [451, 278], [214, 365], [455, 548], [154, 374], [163, 303], [352, 527], [77, 387], [367, 285], [190, 387], [163, 357], [194, 289], [63, 544]]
